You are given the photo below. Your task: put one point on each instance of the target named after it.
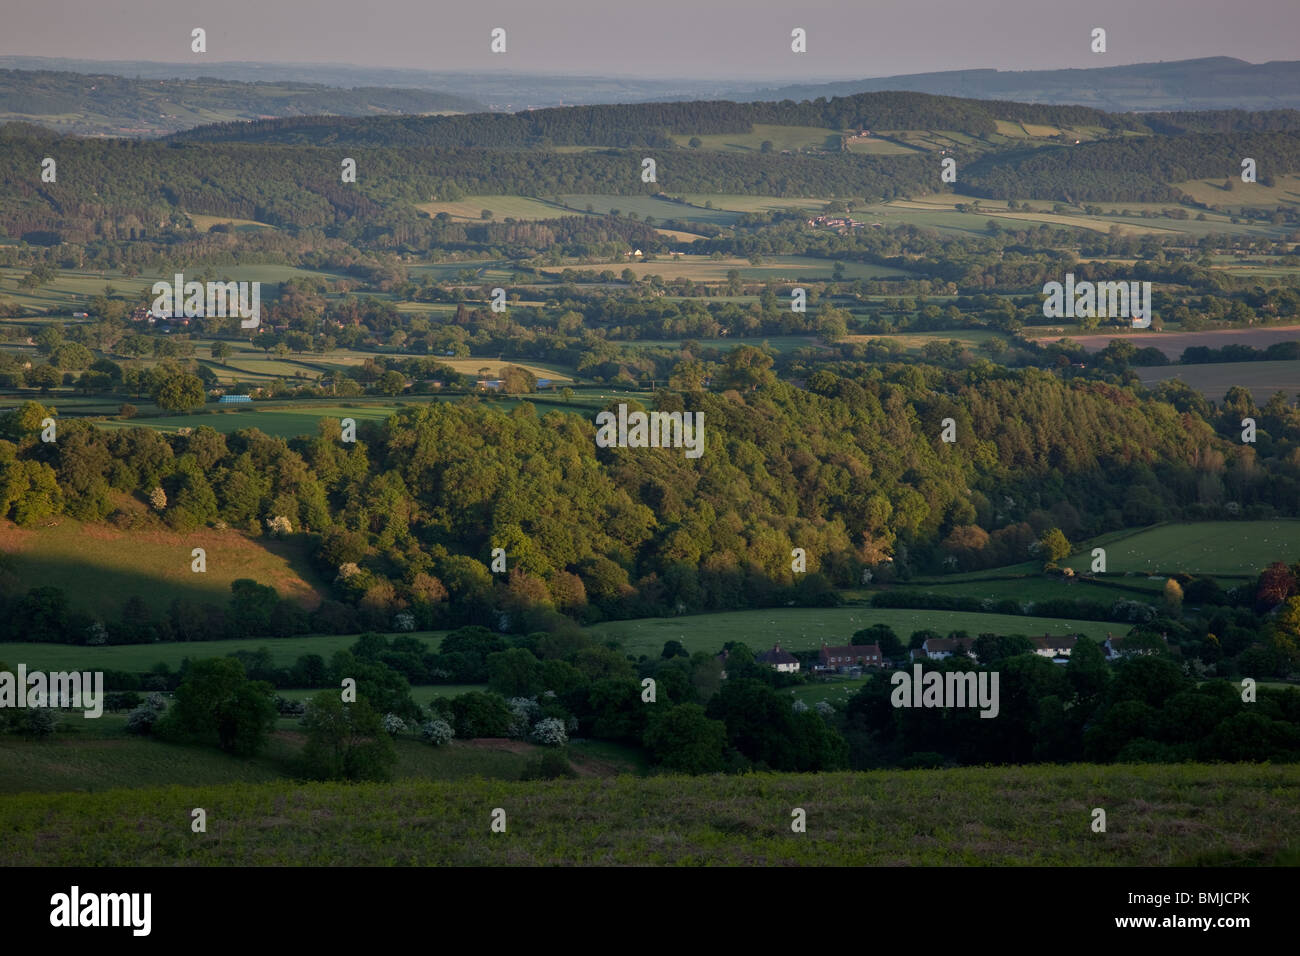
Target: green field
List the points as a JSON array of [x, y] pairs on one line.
[[1284, 192], [1178, 815], [98, 755], [1037, 587], [701, 268], [154, 564], [915, 341], [803, 629], [777, 343], [141, 657], [502, 207], [781, 137], [1206, 547], [1214, 379]]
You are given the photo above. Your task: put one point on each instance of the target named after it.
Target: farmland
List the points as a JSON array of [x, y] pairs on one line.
[[1208, 547], [153, 563], [1187, 814], [91, 756], [1174, 343], [802, 629], [1214, 379], [701, 268]]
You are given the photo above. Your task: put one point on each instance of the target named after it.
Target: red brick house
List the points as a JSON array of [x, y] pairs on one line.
[[850, 655]]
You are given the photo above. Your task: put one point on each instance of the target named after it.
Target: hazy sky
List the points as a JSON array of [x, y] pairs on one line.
[[684, 38]]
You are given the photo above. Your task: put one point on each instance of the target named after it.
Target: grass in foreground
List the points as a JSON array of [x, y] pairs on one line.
[[1156, 816]]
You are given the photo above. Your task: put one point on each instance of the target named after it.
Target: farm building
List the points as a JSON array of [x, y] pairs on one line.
[[234, 399]]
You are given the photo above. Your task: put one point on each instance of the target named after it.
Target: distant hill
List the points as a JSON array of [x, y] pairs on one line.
[[103, 104], [1207, 83], [1210, 83], [654, 124]]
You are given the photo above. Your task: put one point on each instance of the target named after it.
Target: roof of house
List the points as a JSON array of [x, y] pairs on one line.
[[942, 644], [851, 650], [1049, 643], [776, 656]]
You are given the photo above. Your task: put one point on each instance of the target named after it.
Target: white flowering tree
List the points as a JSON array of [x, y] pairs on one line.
[[550, 731], [437, 732], [524, 712], [279, 526], [393, 724]]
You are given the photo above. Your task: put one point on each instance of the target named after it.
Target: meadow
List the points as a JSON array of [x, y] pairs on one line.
[[1180, 815], [1228, 548], [98, 565], [92, 756], [701, 268], [803, 629]]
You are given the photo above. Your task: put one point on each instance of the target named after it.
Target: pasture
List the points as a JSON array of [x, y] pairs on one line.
[[99, 566], [781, 138], [977, 816], [701, 268], [92, 756], [1230, 548], [139, 658], [1284, 192], [803, 629], [502, 207]]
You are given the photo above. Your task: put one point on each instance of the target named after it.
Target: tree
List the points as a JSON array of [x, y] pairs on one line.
[[181, 392], [684, 739], [514, 673], [1173, 595], [1054, 544], [221, 351], [346, 741], [216, 702], [391, 383]]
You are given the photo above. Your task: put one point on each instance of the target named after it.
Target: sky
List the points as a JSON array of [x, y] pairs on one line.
[[739, 39]]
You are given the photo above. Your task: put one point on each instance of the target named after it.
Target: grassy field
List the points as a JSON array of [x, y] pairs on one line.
[[701, 268], [781, 137], [92, 756], [660, 209], [141, 657], [777, 343], [1206, 547], [1284, 192], [915, 341], [1156, 816], [502, 207], [154, 563], [1214, 380], [802, 629], [1037, 587]]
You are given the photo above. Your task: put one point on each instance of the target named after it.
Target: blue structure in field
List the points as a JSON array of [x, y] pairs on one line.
[[234, 399]]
